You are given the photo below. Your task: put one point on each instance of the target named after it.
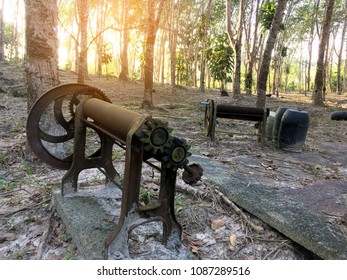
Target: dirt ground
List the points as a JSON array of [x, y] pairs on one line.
[[31, 229]]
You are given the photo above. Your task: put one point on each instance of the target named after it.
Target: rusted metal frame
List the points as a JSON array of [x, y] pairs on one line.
[[102, 158], [163, 211], [131, 184]]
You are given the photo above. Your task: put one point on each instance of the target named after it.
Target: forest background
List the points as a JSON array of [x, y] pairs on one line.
[[196, 43]]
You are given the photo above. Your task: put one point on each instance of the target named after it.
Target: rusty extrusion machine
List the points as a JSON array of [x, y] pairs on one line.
[[58, 129]]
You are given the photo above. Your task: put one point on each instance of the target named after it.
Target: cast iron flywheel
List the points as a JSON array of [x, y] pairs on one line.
[[55, 108]]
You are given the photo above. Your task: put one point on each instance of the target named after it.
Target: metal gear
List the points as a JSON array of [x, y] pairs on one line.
[[56, 99], [176, 156], [93, 92], [156, 136]]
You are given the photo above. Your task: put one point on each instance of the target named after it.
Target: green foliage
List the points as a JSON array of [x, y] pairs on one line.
[[6, 185], [284, 51], [10, 42], [181, 68], [20, 255], [106, 54], [220, 58], [146, 195], [266, 15]]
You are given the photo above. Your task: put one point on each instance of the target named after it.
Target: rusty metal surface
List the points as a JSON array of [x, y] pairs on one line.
[[140, 135], [111, 117], [70, 93]]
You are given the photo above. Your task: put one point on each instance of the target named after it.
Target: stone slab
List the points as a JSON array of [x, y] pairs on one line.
[[292, 218], [90, 215], [87, 218]]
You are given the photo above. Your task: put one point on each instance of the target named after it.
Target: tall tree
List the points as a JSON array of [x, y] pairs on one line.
[[310, 44], [83, 13], [266, 58], [339, 54], [153, 18], [318, 91], [124, 74], [2, 55], [205, 21], [41, 20], [174, 20], [252, 51], [236, 42]]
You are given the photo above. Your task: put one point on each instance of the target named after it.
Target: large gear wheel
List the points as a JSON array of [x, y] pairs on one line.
[[50, 122]]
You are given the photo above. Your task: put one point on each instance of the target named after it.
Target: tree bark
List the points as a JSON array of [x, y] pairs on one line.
[[265, 63], [41, 20], [344, 79], [124, 74], [253, 54], [310, 43], [83, 12], [236, 43], [339, 55], [204, 42], [100, 24], [318, 92], [2, 55], [152, 27], [174, 12]]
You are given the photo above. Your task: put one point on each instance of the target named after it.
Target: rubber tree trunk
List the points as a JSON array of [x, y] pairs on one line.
[[152, 27], [236, 42], [266, 58], [2, 56], [41, 19], [318, 92], [339, 55], [83, 11], [204, 44], [175, 10], [124, 74], [253, 54]]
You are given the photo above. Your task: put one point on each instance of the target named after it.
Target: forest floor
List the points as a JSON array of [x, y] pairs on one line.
[[31, 229]]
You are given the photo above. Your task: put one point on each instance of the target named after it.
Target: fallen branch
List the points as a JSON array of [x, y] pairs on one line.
[[44, 237], [17, 211], [238, 211], [209, 195], [275, 251]]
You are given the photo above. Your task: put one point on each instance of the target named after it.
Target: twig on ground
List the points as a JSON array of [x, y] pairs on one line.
[[275, 251], [211, 195], [23, 209], [239, 211], [44, 237], [14, 191], [17, 211]]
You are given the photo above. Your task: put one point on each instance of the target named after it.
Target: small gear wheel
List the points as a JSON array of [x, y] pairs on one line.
[[156, 136], [176, 156]]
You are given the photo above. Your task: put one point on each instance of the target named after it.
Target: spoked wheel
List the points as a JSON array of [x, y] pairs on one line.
[[50, 123], [209, 118]]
